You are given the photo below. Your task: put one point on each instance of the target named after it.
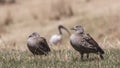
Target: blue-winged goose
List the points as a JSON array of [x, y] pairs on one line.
[[84, 43], [57, 38], [37, 45]]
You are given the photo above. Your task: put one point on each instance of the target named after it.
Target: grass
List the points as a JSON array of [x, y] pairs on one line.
[[58, 59]]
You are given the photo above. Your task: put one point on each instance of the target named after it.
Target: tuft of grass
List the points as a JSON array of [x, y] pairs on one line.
[[58, 59]]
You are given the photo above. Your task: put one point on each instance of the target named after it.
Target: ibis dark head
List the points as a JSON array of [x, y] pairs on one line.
[[78, 28], [62, 27], [34, 34]]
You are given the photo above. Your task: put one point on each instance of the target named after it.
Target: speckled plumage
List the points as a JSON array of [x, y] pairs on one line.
[[84, 43]]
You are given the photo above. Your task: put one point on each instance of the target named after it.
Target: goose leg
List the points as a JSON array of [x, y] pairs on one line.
[[82, 56], [101, 56], [87, 55]]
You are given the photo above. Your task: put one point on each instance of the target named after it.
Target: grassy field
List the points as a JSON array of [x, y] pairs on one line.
[[58, 59], [100, 18]]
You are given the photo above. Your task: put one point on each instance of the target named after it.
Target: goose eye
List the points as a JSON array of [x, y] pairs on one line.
[[77, 26]]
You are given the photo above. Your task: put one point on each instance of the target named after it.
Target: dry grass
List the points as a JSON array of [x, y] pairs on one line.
[[58, 58], [99, 18]]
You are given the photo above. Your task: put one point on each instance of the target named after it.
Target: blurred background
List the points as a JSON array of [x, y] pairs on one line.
[[19, 18]]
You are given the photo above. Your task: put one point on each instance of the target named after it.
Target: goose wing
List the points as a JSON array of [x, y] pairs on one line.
[[90, 40], [43, 44], [93, 43]]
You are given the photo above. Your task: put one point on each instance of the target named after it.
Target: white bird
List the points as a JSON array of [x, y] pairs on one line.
[[57, 38]]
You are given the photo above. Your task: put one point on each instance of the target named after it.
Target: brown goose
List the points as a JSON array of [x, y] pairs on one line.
[[37, 45], [84, 43]]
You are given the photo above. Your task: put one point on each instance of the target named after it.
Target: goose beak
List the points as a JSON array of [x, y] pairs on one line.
[[72, 28], [30, 36]]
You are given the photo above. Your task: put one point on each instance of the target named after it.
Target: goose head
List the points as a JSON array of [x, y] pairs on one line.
[[34, 34], [78, 29]]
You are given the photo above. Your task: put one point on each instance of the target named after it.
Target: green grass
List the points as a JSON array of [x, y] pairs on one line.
[[58, 59]]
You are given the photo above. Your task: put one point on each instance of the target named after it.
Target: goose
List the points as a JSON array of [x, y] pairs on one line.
[[84, 43], [57, 38], [37, 44]]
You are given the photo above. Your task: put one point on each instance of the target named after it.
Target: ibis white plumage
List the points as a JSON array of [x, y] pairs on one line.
[[57, 38]]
